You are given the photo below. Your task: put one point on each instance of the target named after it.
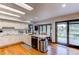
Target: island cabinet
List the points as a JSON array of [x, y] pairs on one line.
[[40, 42], [34, 42]]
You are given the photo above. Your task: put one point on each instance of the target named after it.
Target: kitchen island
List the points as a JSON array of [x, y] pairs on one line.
[[40, 42]]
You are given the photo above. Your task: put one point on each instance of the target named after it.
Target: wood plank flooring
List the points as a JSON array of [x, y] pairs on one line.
[[17, 49], [53, 49]]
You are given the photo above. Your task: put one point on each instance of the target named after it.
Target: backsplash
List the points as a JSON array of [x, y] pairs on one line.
[[12, 31]]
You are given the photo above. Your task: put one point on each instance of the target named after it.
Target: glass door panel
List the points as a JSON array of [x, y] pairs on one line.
[[48, 30], [74, 33], [62, 32], [44, 28], [40, 29]]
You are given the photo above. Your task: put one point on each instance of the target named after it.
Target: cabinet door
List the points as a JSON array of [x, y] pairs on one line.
[[35, 42], [26, 39]]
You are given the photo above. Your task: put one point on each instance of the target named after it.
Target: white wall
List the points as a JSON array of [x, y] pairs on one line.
[[56, 19]]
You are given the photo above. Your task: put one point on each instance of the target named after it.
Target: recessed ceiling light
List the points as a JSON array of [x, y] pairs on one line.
[[11, 9], [25, 6], [63, 5], [9, 14]]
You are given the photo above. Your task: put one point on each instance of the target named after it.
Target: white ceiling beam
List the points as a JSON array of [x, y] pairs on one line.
[[11, 9], [10, 14], [12, 19], [9, 18], [25, 6]]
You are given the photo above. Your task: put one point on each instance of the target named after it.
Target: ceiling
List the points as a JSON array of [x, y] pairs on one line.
[[42, 11]]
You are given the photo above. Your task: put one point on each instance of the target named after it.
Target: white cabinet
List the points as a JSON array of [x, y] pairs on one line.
[[7, 40], [12, 39], [26, 39], [16, 25]]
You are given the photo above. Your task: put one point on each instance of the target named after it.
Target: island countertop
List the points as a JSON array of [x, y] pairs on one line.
[[41, 36]]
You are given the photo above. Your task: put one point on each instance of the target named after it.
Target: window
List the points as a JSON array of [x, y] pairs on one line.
[[40, 29], [48, 30], [74, 33], [45, 28], [30, 28], [62, 32]]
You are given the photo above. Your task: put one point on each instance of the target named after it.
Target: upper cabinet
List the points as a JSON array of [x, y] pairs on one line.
[[16, 25]]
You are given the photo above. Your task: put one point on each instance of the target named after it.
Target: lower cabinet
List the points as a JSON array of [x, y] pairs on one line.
[[26, 39], [34, 42]]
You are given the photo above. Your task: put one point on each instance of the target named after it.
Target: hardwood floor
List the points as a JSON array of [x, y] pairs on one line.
[[17, 49], [56, 49], [53, 49]]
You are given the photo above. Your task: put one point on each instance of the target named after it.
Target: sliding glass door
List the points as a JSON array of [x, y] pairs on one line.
[[49, 30], [40, 29], [67, 32], [44, 29], [74, 33], [62, 32]]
